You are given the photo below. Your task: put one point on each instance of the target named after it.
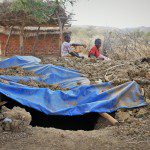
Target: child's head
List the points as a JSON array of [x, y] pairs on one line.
[[67, 38], [98, 43]]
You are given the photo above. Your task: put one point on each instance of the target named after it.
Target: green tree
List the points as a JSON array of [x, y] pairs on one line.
[[37, 10]]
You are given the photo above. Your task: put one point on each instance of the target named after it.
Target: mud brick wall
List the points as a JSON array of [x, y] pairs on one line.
[[45, 45]]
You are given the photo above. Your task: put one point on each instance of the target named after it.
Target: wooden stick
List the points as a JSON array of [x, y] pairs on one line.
[[35, 42], [109, 118], [61, 32], [2, 103], [8, 39]]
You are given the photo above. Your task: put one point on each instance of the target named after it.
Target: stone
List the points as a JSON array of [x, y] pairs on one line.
[[20, 119], [141, 112], [122, 116]]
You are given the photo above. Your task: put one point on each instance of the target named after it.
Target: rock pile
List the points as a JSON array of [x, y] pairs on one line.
[[126, 115], [15, 119], [119, 71], [16, 71], [33, 83]]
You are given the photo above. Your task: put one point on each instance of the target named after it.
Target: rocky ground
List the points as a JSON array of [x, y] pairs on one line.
[[33, 83], [16, 71], [17, 134], [133, 131], [116, 71]]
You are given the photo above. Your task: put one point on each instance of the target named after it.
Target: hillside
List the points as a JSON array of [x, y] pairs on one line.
[[102, 28]]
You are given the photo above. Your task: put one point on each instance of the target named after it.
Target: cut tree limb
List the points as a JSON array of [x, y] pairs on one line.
[[2, 103], [112, 120]]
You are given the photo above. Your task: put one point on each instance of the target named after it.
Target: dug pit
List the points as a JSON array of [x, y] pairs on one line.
[[87, 122]]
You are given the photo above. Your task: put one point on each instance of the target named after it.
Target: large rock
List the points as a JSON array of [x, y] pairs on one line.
[[142, 112], [123, 116], [16, 119]]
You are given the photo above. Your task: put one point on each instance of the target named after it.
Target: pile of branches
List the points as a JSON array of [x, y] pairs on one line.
[[126, 44]]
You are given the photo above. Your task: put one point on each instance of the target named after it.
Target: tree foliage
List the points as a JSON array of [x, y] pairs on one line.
[[29, 12], [35, 9]]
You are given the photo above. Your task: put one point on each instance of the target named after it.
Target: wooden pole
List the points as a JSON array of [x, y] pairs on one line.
[[61, 38], [109, 118], [44, 48], [7, 42], [21, 40], [2, 103], [35, 42], [61, 33]]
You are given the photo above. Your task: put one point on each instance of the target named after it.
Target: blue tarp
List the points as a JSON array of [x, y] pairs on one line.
[[50, 74], [76, 101]]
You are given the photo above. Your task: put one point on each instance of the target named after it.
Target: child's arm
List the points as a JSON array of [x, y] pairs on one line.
[[104, 57], [76, 44]]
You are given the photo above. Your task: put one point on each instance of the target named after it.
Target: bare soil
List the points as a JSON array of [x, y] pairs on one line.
[[135, 135]]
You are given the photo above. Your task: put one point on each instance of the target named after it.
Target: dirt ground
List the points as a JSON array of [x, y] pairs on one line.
[[133, 131], [134, 136]]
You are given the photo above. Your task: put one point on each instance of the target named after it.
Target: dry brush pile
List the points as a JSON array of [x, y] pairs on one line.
[[121, 44]]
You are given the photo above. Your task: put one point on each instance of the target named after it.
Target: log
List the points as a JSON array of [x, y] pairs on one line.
[[2, 103], [112, 120]]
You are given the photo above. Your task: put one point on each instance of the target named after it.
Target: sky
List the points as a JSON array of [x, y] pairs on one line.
[[112, 13]]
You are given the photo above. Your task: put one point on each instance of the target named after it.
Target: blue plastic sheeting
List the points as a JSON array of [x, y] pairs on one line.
[[18, 61], [50, 74], [77, 101], [80, 100]]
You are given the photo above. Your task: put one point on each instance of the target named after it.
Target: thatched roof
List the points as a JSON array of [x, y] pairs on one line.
[[16, 18], [32, 31]]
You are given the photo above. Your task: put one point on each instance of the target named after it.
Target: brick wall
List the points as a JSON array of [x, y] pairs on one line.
[[46, 45]]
